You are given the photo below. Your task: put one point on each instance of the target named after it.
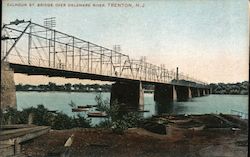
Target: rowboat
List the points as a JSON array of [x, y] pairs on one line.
[[97, 114], [79, 109], [86, 106], [143, 111]]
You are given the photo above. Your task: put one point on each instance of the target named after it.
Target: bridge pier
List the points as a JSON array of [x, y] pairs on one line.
[[189, 93], [165, 93], [210, 91], [202, 92], [195, 92], [8, 89], [168, 93], [207, 91], [198, 92], [183, 93], [129, 95]]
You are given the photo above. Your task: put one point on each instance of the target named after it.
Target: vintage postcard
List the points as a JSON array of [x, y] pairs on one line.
[[148, 78]]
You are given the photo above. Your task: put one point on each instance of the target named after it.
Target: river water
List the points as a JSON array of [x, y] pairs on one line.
[[200, 105]]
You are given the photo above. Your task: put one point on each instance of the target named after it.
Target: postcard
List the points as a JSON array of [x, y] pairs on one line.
[[124, 78]]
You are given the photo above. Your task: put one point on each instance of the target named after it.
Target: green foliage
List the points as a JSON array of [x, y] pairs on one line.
[[230, 88], [66, 87], [132, 119], [119, 125], [42, 116], [62, 121], [12, 116], [80, 121], [118, 121], [104, 124]]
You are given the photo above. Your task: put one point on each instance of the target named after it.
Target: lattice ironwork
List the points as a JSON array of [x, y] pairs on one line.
[[28, 43]]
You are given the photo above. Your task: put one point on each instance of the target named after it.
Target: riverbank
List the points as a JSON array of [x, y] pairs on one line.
[[139, 142], [210, 141]]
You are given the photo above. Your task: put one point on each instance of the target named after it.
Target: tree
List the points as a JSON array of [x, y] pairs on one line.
[[68, 86], [52, 86]]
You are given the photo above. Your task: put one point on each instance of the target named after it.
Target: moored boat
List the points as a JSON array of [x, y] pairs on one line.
[[143, 111], [86, 106], [80, 109], [97, 114]]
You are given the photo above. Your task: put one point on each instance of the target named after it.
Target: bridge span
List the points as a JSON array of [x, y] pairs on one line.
[[34, 49]]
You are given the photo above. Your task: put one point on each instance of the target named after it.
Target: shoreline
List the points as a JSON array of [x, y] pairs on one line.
[[43, 91]]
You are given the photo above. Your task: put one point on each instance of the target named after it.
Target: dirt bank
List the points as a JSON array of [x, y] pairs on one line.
[[139, 142]]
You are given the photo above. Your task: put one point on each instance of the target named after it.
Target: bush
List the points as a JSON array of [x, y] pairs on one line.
[[80, 121], [61, 121], [118, 121], [12, 116], [104, 124], [42, 116]]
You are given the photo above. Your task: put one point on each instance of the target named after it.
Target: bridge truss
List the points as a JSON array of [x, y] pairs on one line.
[[28, 43]]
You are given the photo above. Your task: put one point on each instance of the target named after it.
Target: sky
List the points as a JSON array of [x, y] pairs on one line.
[[206, 39]]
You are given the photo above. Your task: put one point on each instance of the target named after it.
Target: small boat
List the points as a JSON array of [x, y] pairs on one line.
[[79, 109], [143, 111], [52, 111], [97, 114], [86, 106]]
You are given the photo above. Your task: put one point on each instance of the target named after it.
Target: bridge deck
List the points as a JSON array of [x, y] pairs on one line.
[[51, 72]]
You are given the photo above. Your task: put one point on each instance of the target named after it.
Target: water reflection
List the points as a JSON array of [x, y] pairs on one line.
[[170, 107], [164, 107]]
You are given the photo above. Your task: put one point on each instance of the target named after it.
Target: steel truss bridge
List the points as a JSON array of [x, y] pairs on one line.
[[34, 47]]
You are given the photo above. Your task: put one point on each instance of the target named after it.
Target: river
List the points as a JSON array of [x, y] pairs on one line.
[[199, 105]]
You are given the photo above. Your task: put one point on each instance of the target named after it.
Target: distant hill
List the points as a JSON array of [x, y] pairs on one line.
[[230, 88]]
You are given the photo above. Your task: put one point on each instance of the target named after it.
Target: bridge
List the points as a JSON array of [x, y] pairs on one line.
[[35, 49]]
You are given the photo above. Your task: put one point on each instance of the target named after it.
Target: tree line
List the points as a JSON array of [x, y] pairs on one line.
[[66, 87], [230, 88], [219, 88]]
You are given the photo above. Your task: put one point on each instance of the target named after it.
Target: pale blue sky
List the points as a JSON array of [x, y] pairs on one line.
[[208, 39]]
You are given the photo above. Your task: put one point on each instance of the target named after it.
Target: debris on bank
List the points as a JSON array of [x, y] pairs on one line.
[[162, 124]]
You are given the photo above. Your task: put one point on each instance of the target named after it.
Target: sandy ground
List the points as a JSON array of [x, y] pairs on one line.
[[139, 142]]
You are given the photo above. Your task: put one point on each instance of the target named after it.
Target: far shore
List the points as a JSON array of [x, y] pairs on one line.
[[95, 91]]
